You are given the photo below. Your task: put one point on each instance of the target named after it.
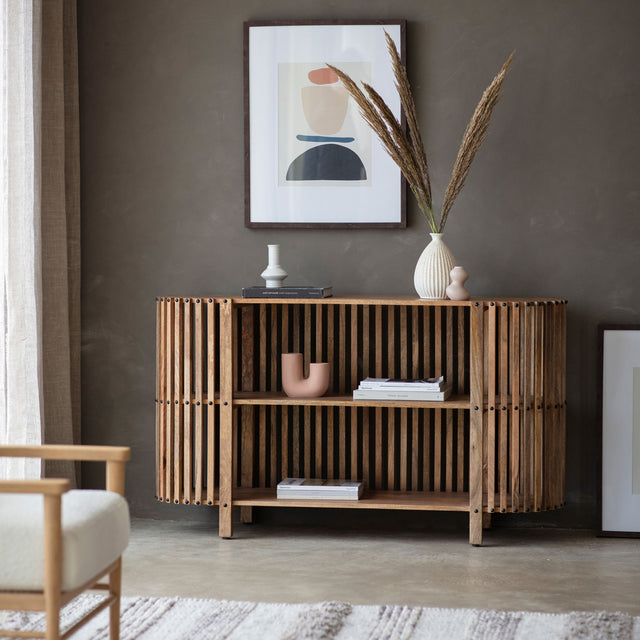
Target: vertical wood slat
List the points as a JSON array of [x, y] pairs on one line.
[[563, 396], [158, 394], [404, 450], [319, 473], [414, 414], [427, 416], [295, 427], [527, 418], [161, 400], [333, 388], [305, 329], [516, 417], [274, 356], [547, 413], [211, 416], [284, 416], [476, 457], [378, 411], [366, 414], [437, 333], [438, 430], [503, 376], [342, 384], [169, 401], [188, 427], [462, 443], [199, 399], [262, 382], [391, 419], [437, 449], [307, 442], [177, 403], [449, 376], [538, 407], [353, 361], [247, 362], [555, 404], [490, 348], [227, 349]]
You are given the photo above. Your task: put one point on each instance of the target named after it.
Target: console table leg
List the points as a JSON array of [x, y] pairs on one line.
[[227, 442], [476, 454], [475, 528], [246, 515], [486, 520]]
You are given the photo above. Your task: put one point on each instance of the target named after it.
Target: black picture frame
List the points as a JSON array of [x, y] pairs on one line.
[[272, 199]]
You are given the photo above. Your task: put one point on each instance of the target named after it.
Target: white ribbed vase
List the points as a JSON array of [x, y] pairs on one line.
[[432, 275]]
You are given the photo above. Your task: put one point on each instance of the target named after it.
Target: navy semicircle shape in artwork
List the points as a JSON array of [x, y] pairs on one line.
[[327, 162]]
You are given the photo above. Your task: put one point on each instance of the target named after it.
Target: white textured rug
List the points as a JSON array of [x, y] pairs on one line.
[[184, 618]]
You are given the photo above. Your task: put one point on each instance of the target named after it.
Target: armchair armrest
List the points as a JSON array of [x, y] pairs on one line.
[[115, 458], [47, 486], [66, 452]]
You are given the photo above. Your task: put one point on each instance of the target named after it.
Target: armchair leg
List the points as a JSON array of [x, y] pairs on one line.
[[115, 588], [52, 565]]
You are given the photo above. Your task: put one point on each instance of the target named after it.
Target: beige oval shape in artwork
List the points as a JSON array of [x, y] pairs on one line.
[[325, 108]]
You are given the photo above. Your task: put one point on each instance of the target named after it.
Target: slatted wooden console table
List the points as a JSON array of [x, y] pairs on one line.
[[226, 434]]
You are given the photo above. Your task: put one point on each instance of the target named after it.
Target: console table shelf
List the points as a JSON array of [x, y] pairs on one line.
[[398, 500], [226, 434], [458, 401]]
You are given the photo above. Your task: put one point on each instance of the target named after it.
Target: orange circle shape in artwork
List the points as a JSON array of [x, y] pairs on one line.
[[323, 76]]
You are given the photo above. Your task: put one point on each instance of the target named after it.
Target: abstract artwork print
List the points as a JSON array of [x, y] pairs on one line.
[[322, 138]]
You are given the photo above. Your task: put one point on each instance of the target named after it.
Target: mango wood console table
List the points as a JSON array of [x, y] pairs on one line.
[[226, 434]]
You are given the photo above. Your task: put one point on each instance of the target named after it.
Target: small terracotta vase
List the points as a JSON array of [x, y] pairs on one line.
[[295, 385]]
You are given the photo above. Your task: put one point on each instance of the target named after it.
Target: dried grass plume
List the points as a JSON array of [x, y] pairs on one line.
[[407, 148]]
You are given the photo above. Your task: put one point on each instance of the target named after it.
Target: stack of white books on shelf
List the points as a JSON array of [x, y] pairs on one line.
[[318, 489], [427, 389]]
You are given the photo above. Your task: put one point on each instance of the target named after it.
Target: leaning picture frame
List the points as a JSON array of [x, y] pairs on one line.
[[619, 409], [311, 161]]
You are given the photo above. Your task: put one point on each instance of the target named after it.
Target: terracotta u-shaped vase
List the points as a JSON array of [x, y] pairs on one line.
[[295, 385]]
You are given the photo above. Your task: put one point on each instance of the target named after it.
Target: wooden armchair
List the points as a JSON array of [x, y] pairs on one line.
[[51, 554]]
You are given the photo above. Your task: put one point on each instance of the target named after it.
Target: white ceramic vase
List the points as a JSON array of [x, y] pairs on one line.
[[432, 275], [274, 274]]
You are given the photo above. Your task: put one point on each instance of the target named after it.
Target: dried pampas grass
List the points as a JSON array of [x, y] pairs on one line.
[[407, 149]]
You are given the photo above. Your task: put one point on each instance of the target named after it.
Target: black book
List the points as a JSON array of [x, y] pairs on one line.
[[287, 292]]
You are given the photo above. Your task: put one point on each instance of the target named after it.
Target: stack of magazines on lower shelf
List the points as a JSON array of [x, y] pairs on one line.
[[317, 489], [427, 390]]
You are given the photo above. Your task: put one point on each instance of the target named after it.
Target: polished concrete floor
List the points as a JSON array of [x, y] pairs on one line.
[[516, 569]]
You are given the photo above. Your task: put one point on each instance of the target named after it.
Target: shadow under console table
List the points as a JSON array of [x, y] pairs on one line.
[[226, 434]]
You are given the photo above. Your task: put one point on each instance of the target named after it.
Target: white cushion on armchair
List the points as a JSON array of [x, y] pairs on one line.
[[95, 532]]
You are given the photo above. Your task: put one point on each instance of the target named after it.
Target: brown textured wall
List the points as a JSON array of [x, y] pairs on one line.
[[550, 206]]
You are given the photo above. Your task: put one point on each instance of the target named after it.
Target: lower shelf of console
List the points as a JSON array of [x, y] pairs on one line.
[[401, 500]]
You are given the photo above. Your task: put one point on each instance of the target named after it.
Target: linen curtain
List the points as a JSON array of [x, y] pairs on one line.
[[40, 215]]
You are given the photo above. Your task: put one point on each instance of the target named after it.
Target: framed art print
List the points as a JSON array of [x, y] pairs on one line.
[[620, 411], [310, 158]]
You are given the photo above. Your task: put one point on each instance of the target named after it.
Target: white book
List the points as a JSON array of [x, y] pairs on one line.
[[319, 489], [427, 384], [402, 394]]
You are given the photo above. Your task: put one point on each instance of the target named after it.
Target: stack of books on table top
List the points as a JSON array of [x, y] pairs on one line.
[[428, 389], [287, 292], [317, 489]]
